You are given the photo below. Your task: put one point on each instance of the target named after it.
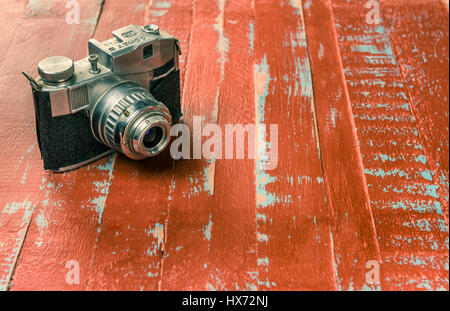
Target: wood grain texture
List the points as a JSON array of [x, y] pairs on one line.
[[232, 258], [294, 247], [189, 221], [421, 50], [58, 201], [353, 230], [408, 211], [362, 114], [17, 198]]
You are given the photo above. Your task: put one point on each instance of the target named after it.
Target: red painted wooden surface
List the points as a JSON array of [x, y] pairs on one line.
[[45, 208], [352, 225], [409, 208], [362, 113]]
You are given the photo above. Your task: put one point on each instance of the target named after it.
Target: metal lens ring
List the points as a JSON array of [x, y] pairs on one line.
[[150, 134], [129, 119]]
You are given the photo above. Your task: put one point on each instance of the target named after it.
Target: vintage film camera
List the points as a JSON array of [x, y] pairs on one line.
[[124, 96]]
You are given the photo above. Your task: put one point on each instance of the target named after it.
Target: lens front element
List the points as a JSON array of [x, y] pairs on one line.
[[152, 137]]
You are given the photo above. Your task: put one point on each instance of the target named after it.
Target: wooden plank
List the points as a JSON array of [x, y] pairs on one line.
[[16, 209], [11, 17], [420, 38], [354, 236], [189, 220], [294, 249], [129, 252], [57, 200], [408, 213], [233, 212]]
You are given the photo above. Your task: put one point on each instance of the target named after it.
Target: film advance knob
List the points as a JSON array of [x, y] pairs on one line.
[[56, 69]]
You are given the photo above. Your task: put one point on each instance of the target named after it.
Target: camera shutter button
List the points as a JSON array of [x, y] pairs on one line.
[[56, 69]]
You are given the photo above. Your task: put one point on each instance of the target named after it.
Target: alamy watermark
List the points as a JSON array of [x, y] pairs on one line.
[[373, 15], [227, 143], [373, 273], [73, 15], [73, 275]]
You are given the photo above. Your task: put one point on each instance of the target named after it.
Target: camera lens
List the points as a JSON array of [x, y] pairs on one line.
[[150, 134], [126, 117], [152, 137]]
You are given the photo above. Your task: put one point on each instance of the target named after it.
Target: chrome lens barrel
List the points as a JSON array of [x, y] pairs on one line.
[[126, 117]]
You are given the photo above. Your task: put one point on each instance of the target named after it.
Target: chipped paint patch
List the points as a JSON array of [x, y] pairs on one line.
[[262, 179], [207, 229], [102, 188], [333, 114], [251, 35], [140, 7], [304, 82], [41, 222], [263, 261], [162, 4], [38, 7], [209, 170], [262, 237], [158, 13], [223, 43], [263, 197], [157, 231], [158, 8]]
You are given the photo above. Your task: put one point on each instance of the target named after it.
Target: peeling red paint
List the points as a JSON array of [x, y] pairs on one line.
[[362, 175]]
